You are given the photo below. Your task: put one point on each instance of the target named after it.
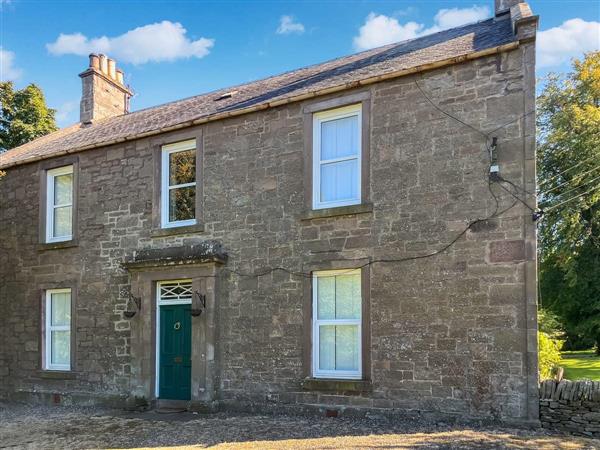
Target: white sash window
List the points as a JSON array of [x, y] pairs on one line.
[[178, 184], [58, 330], [337, 323], [337, 157], [59, 204]]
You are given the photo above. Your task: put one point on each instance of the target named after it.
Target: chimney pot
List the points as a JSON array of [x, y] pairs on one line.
[[112, 69], [103, 64], [120, 76], [94, 61]]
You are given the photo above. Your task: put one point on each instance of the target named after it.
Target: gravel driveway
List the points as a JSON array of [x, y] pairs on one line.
[[66, 428]]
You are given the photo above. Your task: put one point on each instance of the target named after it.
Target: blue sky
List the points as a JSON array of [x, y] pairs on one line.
[[176, 49]]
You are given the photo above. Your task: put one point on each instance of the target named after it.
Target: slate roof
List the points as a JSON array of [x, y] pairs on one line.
[[391, 58]]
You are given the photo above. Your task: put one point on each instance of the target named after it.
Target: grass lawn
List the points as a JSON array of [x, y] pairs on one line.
[[581, 365]]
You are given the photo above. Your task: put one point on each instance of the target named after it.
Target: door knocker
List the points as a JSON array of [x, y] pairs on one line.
[[177, 326]]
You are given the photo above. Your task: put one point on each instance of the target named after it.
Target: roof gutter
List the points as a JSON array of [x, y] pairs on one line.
[[285, 101]]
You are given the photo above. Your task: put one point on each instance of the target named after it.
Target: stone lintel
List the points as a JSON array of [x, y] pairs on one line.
[[204, 252]]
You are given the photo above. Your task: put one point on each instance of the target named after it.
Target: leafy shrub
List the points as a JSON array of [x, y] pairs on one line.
[[548, 355]]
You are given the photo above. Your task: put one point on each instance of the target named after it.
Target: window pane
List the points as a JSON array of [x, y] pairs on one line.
[[346, 347], [61, 309], [62, 221], [327, 347], [347, 296], [63, 189], [176, 291], [326, 297], [60, 347], [182, 167], [339, 138], [338, 347], [182, 204], [339, 181]]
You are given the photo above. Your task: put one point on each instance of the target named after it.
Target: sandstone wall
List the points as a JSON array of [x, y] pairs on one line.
[[454, 333]]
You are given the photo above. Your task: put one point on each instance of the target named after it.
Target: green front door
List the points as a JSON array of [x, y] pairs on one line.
[[175, 362]]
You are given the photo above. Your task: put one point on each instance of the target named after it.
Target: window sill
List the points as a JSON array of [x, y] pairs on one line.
[[186, 229], [331, 385], [338, 211], [56, 374], [57, 245]]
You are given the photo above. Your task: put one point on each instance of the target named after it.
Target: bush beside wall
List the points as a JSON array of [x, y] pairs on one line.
[[548, 354]]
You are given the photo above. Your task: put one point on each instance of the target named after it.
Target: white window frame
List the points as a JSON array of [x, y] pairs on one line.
[[49, 328], [166, 188], [316, 323], [160, 302], [51, 206], [318, 119]]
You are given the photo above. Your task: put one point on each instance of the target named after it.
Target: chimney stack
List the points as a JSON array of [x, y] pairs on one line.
[[503, 6], [104, 93]]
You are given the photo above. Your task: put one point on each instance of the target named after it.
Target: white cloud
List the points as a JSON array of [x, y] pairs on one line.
[[8, 70], [455, 17], [288, 26], [571, 39], [380, 29], [163, 41]]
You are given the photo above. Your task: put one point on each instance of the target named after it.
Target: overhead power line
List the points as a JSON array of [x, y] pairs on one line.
[[554, 177], [446, 113], [516, 197], [297, 273], [568, 181], [539, 212], [519, 188], [522, 116], [579, 187], [553, 207]]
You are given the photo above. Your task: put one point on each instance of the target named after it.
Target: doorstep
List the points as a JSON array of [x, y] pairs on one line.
[[164, 406]]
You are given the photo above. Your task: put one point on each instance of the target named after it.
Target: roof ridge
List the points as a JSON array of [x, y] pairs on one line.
[[344, 72], [281, 74]]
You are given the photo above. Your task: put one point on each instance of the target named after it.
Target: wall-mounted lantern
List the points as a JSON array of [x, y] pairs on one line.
[[198, 304], [137, 301]]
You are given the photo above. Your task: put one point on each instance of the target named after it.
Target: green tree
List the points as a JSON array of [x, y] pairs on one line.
[[24, 115], [549, 323], [569, 173]]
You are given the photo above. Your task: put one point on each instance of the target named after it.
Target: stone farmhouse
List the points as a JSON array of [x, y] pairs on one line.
[[344, 238]]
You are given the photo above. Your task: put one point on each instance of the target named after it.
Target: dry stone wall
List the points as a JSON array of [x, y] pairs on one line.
[[571, 406]]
